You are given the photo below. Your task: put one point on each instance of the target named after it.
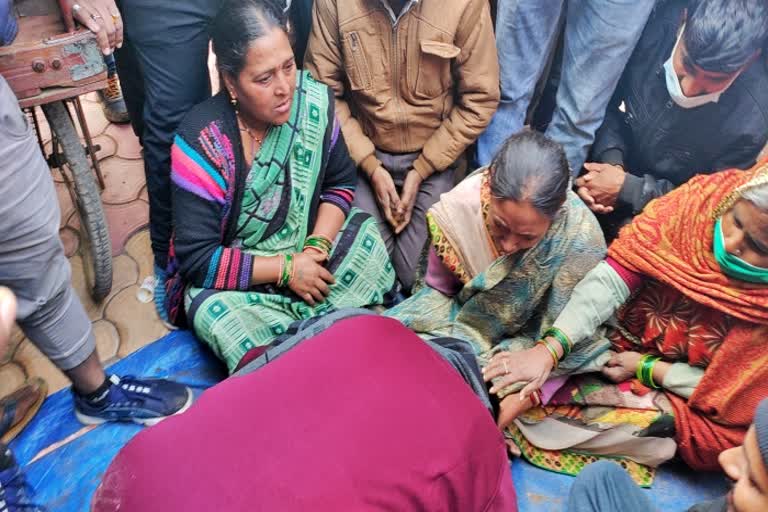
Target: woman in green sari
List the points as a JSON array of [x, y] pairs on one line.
[[263, 183], [507, 246]]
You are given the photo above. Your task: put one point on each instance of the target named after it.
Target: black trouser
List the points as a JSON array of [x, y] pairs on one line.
[[301, 21], [163, 71]]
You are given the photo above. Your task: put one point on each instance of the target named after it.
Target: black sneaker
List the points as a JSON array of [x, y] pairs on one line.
[[15, 492], [143, 401]]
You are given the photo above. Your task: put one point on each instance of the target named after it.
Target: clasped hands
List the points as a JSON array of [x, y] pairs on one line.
[[397, 208], [600, 187]]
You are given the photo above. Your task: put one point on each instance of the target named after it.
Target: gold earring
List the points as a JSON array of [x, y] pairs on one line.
[[233, 101]]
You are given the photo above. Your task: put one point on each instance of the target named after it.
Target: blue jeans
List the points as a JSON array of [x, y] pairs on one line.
[[599, 38], [163, 69], [604, 485]]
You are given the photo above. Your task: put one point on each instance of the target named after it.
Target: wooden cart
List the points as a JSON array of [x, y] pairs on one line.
[[49, 69]]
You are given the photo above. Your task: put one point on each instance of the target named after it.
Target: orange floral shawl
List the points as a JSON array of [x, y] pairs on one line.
[[698, 314]]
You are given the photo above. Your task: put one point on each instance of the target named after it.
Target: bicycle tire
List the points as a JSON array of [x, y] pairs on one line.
[[88, 202]]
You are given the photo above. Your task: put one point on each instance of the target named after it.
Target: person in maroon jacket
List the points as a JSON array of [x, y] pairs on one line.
[[364, 416]]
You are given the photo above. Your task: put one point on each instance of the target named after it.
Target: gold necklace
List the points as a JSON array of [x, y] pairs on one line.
[[256, 140]]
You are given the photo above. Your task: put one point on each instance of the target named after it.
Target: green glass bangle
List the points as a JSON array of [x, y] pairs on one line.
[[561, 337], [650, 365], [319, 241], [639, 369], [645, 370], [287, 268]]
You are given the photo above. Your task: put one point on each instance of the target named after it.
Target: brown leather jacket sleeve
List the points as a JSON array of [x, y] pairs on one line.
[[324, 61], [477, 92]]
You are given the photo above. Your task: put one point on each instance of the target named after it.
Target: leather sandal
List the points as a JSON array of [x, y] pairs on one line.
[[10, 425]]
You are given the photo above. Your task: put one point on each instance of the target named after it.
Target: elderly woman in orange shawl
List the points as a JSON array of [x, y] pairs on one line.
[[683, 297]]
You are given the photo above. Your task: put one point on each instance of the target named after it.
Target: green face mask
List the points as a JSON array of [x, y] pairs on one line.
[[733, 266]]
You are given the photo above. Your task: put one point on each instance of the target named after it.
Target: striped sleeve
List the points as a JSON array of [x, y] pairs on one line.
[[191, 172], [340, 175], [199, 204], [340, 197]]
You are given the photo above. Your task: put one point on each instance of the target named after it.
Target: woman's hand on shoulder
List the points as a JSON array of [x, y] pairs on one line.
[[311, 280]]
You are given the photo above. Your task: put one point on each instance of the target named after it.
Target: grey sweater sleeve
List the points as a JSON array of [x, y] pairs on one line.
[[682, 379], [593, 301]]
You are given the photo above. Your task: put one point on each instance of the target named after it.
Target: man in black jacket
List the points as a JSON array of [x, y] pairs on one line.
[[695, 100]]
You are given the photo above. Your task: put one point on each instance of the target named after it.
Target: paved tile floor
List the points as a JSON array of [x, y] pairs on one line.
[[121, 322]]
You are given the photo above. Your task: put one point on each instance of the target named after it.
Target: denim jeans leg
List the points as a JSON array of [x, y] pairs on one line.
[[170, 39], [600, 36], [603, 486], [526, 31]]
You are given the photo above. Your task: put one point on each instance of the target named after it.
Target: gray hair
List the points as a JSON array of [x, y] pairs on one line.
[[758, 196], [532, 168]]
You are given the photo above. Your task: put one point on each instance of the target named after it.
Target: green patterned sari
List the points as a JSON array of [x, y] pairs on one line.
[[274, 219]]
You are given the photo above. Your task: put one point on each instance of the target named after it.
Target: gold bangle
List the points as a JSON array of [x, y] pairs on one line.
[[551, 350], [280, 271]]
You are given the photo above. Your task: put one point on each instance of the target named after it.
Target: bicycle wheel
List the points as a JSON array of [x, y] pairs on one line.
[[96, 247]]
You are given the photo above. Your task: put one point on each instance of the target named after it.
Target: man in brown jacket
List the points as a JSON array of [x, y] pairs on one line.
[[416, 82]]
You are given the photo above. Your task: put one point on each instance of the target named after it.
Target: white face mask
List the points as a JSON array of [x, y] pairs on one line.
[[676, 92]]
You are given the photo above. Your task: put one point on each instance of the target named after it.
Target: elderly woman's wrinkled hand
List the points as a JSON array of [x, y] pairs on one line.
[[531, 367], [100, 17], [311, 280], [622, 366]]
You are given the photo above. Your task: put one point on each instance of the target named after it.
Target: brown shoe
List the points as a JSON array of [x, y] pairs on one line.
[[18, 408]]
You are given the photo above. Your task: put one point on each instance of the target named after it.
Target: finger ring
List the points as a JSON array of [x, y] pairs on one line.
[[95, 17], [115, 17], [506, 370], [76, 7]]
